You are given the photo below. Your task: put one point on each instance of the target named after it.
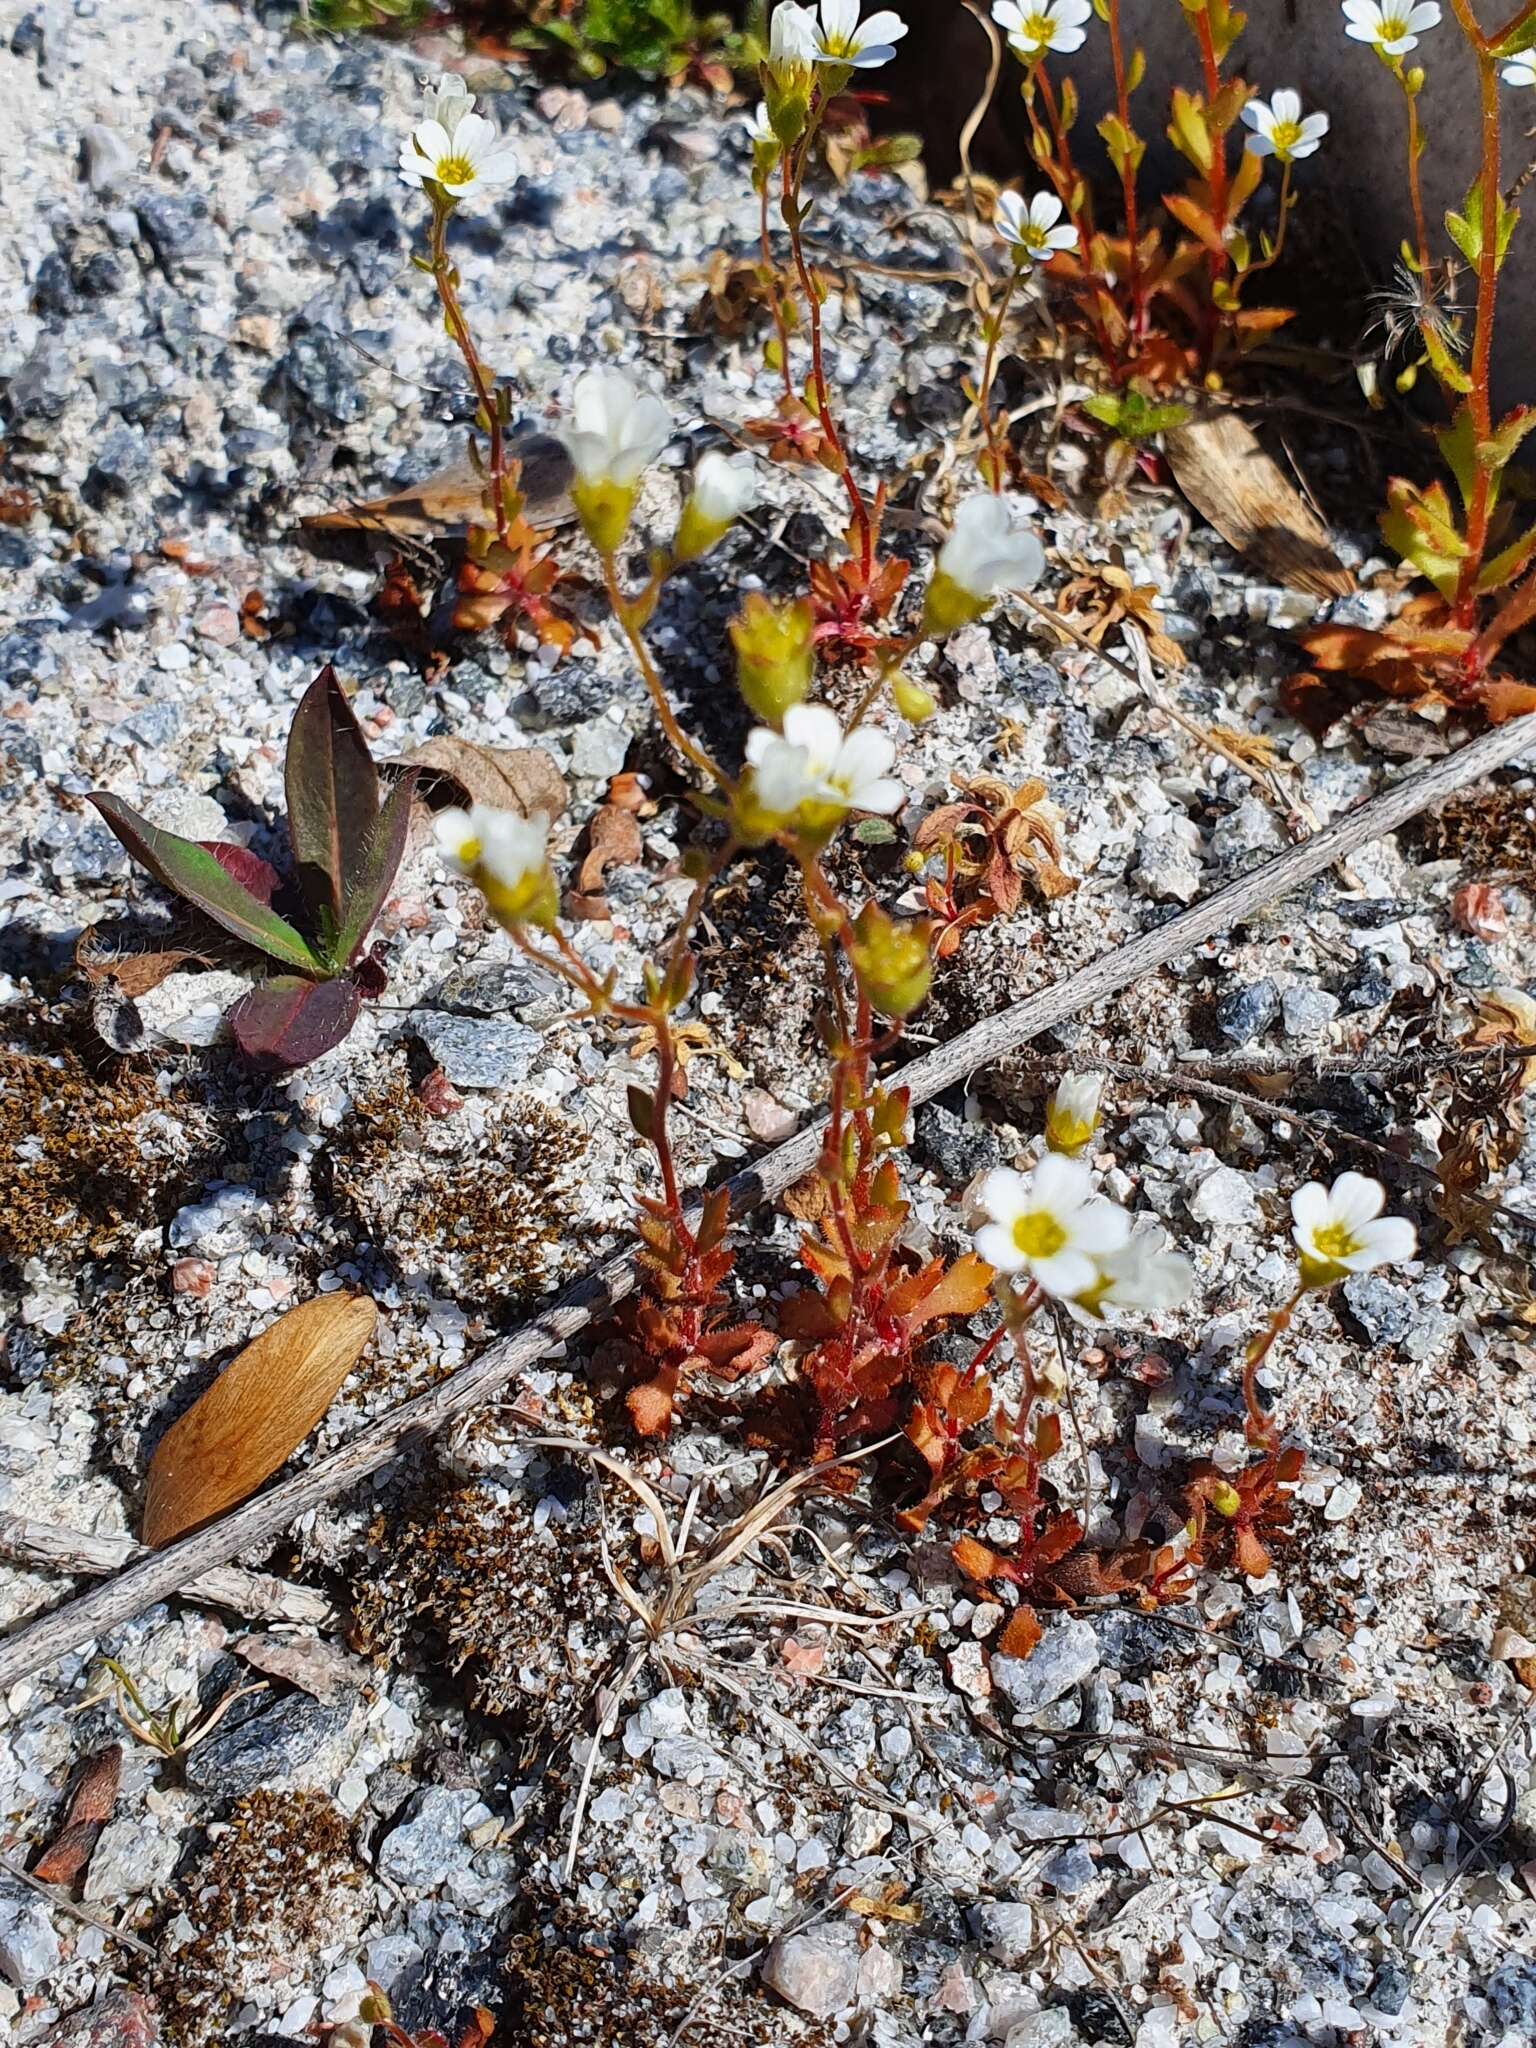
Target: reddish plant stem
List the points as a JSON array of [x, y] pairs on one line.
[[1480, 368], [1260, 1429], [1054, 157], [992, 435], [1136, 310], [458, 329], [1415, 185], [1216, 263], [793, 178], [780, 324]]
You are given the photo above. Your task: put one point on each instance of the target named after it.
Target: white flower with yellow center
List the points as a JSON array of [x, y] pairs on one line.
[[1031, 230], [985, 553], [791, 37], [1041, 25], [616, 433], [815, 773], [865, 45], [1341, 1230], [1393, 26], [1144, 1273], [1049, 1225], [505, 855], [1281, 130], [1072, 1113], [1520, 71], [459, 151]]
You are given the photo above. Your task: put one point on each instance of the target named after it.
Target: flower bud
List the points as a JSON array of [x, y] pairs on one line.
[[948, 606], [1225, 1499], [724, 487], [891, 961], [774, 655], [1072, 1113], [912, 700], [604, 507]]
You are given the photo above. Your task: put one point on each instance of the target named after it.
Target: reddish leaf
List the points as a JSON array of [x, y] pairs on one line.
[[1022, 1633], [68, 1853], [248, 869], [372, 868], [95, 1792], [333, 802], [288, 1022]]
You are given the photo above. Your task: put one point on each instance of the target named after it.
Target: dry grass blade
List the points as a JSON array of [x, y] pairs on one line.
[[255, 1415], [1219, 466]]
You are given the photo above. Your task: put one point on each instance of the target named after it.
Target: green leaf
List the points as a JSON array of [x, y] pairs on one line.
[[1442, 361], [1505, 566], [288, 1022], [1520, 39], [1105, 407], [191, 872], [373, 871], [874, 832], [333, 804], [1458, 447], [1466, 231], [1410, 541]]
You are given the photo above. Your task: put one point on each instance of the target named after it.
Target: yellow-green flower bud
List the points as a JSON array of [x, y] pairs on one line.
[[948, 606], [775, 652], [912, 700], [1072, 1113], [604, 508], [1225, 1499], [891, 960], [724, 487]]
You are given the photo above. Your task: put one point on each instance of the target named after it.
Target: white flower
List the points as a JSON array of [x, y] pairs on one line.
[[724, 486], [447, 102], [616, 431], [1143, 1273], [471, 158], [1031, 231], [1520, 70], [1341, 1229], [1050, 1225], [844, 39], [986, 552], [1072, 1113], [1280, 130], [1040, 25], [791, 36], [1394, 26], [813, 762], [758, 126], [501, 844]]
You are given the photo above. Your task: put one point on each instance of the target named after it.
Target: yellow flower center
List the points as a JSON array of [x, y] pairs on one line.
[[1393, 26], [1334, 1241], [468, 851], [1038, 1235], [1285, 135], [1036, 29], [454, 170]]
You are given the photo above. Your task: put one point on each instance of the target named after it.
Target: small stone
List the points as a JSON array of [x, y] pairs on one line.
[[429, 1842], [322, 370], [1389, 1989], [767, 1119], [1066, 1655], [107, 157], [1307, 1012], [817, 1970], [968, 1671], [1382, 1308], [1244, 1014], [599, 749], [44, 384], [607, 117], [1367, 989], [29, 1948], [437, 1094], [1168, 862], [123, 2019], [273, 1745], [477, 1052], [129, 1860], [1224, 1197], [124, 463], [1008, 1929], [1512, 1994], [194, 1277], [950, 1147], [1050, 2028]]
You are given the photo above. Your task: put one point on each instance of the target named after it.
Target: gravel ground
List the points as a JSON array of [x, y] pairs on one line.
[[821, 1808]]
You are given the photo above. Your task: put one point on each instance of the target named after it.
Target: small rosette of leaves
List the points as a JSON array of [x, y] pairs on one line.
[[347, 841]]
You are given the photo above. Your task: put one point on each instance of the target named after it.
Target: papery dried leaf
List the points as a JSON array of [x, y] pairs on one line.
[[255, 1415], [454, 498], [134, 973], [68, 1853], [613, 840], [95, 1792], [521, 779], [1021, 1634], [1220, 467]]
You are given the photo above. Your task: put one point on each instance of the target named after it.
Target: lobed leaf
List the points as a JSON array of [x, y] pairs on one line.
[[190, 871]]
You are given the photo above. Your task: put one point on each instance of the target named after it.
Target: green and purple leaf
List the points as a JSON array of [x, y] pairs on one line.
[[200, 877], [373, 873], [333, 805], [288, 1022], [254, 874]]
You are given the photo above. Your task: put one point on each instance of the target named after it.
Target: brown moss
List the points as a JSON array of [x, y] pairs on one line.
[[87, 1161], [510, 1604], [1490, 831], [488, 1225], [280, 1880]]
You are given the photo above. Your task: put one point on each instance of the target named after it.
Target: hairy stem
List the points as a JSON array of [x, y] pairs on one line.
[[624, 612], [995, 460], [1260, 1429], [1480, 367], [1136, 311]]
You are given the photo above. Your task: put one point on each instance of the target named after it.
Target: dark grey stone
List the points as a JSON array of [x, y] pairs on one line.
[[1389, 1989], [124, 463], [44, 384], [477, 1052], [273, 1745], [950, 1147], [1512, 1994], [1244, 1014], [321, 370]]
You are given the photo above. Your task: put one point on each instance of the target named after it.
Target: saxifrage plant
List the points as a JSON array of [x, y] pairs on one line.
[[347, 840]]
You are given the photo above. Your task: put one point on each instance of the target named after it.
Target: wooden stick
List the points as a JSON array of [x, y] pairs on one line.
[[257, 1595], [255, 1521]]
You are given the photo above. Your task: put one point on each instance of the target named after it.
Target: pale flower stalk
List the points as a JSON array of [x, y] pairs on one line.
[[616, 433], [1341, 1230], [984, 554], [1281, 130], [1037, 26], [1393, 27], [1031, 230], [1049, 1226]]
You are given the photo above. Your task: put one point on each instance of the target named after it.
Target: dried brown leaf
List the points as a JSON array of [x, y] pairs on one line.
[[522, 779], [255, 1415], [454, 498], [1219, 466]]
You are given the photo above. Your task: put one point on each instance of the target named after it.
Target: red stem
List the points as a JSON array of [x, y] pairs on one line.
[[1481, 366], [1137, 312]]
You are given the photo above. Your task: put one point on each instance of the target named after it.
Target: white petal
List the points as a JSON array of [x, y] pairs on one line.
[[1355, 1198], [1100, 1226], [884, 797], [1045, 209], [883, 28], [996, 1246], [1060, 1184], [839, 19], [815, 728], [1064, 1273], [1004, 1195], [1285, 105], [863, 757], [1389, 1241], [1310, 1210]]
